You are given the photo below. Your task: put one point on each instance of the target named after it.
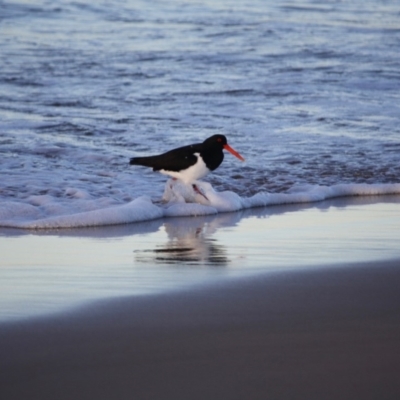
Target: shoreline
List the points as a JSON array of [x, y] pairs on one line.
[[312, 334], [142, 210], [60, 270]]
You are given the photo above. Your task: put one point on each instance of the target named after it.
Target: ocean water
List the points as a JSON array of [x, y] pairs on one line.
[[307, 91]]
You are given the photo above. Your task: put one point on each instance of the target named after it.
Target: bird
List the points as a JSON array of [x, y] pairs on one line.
[[190, 163]]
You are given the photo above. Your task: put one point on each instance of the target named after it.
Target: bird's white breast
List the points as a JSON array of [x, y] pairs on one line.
[[192, 174]]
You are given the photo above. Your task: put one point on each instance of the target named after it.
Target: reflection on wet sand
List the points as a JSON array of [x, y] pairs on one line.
[[189, 242]]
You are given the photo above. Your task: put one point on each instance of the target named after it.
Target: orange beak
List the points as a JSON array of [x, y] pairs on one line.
[[234, 152]]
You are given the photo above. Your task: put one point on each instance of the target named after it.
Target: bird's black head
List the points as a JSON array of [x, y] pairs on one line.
[[216, 140], [219, 142]]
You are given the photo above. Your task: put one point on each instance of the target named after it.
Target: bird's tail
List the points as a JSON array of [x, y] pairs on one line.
[[145, 161]]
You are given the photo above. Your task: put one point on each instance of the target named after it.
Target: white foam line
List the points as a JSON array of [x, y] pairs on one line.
[[180, 200]]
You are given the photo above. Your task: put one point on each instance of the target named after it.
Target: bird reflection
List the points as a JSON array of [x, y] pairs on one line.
[[189, 243]]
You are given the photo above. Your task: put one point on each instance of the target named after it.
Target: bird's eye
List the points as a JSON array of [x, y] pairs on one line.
[[219, 140]]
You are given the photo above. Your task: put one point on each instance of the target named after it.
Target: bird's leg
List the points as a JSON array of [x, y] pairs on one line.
[[197, 190], [170, 185]]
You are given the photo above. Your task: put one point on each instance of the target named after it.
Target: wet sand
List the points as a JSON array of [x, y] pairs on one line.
[[311, 334]]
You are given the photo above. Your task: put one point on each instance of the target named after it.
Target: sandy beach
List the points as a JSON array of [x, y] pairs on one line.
[[330, 330], [331, 334]]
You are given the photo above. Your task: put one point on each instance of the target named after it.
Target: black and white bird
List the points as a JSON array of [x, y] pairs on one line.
[[190, 163]]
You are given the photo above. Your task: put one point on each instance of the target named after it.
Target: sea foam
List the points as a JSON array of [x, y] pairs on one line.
[[78, 209]]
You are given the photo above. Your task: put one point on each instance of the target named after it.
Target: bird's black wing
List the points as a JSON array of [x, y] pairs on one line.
[[173, 160]]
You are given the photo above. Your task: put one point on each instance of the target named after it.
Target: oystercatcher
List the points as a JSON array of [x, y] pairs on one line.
[[189, 163]]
